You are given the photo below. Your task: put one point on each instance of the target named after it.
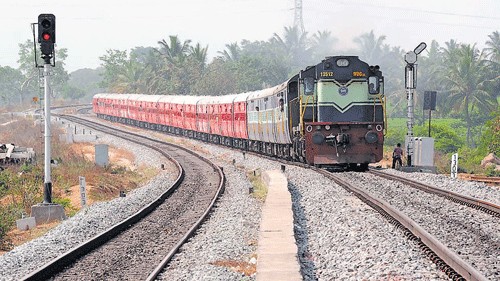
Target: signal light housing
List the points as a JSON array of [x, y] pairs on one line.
[[47, 33]]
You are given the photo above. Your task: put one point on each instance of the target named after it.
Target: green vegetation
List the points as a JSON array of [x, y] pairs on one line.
[[22, 186], [466, 78], [450, 136]]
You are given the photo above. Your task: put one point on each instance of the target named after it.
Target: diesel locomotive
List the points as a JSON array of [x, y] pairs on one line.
[[330, 115]]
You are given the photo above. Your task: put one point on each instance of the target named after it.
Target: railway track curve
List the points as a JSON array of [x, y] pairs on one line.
[[134, 248]]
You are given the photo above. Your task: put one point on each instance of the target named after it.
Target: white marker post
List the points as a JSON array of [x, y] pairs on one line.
[[454, 166], [83, 195]]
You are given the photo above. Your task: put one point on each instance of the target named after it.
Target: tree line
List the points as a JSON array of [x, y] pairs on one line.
[[466, 78]]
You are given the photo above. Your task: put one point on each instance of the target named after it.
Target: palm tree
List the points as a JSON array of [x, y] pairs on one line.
[[322, 44], [493, 52], [199, 53], [175, 50], [295, 45], [371, 47], [232, 53], [130, 78], [467, 71], [493, 49]]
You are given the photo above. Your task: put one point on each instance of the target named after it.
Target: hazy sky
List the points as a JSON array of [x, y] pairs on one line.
[[88, 28]]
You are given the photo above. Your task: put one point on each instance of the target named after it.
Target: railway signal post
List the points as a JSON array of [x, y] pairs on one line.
[[47, 37], [411, 84]]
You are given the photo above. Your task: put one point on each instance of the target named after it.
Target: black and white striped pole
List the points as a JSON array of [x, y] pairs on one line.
[[411, 84]]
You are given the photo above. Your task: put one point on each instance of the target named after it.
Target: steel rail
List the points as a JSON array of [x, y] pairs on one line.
[[189, 234], [56, 265], [481, 205], [441, 251]]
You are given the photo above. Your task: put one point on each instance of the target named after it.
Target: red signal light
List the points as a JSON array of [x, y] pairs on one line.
[[46, 36]]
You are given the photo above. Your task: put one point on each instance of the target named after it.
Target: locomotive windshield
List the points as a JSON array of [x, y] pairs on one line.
[[308, 86], [373, 85]]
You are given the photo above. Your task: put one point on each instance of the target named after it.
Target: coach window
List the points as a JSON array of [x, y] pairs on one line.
[[308, 86], [282, 105]]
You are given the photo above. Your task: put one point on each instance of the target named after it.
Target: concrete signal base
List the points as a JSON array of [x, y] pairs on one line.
[[47, 212]]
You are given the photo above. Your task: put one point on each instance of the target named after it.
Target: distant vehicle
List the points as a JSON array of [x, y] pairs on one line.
[[330, 115]]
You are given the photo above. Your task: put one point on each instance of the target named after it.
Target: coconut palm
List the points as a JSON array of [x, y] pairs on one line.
[[199, 53], [322, 44], [175, 50], [295, 45], [130, 78], [493, 49], [232, 53], [370, 47], [466, 72]]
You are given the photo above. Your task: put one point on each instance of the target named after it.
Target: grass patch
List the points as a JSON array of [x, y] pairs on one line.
[[259, 188]]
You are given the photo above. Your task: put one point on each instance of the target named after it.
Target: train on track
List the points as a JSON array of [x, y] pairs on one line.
[[330, 115]]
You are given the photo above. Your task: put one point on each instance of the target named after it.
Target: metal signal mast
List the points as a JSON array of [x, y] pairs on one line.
[[297, 21]]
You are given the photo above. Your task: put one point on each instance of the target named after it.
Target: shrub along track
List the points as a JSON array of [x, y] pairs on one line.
[[132, 249]]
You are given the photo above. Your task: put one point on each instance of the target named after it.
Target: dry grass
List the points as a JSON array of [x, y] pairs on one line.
[[243, 267], [18, 237], [259, 187], [74, 160]]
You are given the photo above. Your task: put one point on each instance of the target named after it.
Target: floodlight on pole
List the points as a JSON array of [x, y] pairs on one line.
[[421, 47]]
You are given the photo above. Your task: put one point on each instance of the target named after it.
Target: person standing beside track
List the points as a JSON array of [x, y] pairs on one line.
[[397, 154]]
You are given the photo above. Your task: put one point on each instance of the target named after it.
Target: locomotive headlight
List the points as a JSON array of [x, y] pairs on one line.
[[327, 127], [318, 138], [371, 137], [342, 62]]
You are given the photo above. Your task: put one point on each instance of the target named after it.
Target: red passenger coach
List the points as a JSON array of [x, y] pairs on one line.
[[134, 109], [213, 119], [151, 110], [162, 111], [226, 118], [202, 120], [240, 120], [189, 113]]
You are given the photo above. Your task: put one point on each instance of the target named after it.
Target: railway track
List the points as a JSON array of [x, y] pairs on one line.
[[463, 242], [486, 179], [481, 205], [451, 263], [140, 246]]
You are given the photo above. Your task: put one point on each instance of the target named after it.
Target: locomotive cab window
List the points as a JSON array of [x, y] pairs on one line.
[[308, 86], [373, 85]]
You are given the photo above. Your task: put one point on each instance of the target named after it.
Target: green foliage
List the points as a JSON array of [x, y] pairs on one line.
[[447, 139], [8, 216], [66, 203], [469, 160], [449, 134], [490, 140]]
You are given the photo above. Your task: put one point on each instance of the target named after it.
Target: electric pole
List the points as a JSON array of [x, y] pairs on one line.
[[297, 21]]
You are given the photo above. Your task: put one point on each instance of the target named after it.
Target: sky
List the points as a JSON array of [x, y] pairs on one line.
[[88, 28]]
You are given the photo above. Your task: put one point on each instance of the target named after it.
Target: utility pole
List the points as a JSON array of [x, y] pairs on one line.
[[297, 21], [411, 85]]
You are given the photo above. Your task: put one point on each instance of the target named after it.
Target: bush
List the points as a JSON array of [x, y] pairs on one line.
[[446, 139], [8, 216], [490, 139]]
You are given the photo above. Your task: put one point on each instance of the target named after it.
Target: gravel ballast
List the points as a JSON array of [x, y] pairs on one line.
[[338, 236]]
